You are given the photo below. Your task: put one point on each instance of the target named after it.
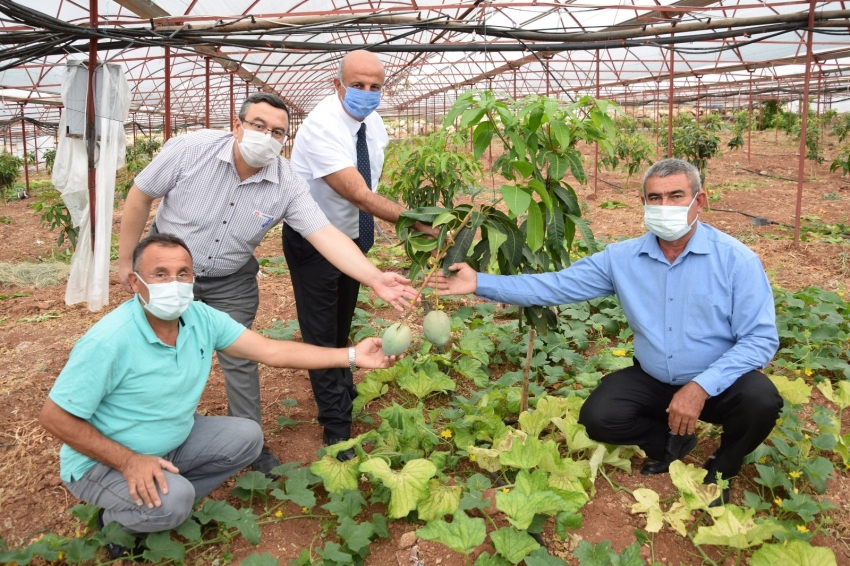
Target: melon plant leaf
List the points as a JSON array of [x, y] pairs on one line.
[[407, 486], [513, 544], [80, 550], [516, 199], [422, 385], [576, 435], [542, 558], [189, 529], [523, 454], [356, 535], [688, 480], [521, 508], [484, 559], [161, 547], [840, 396], [486, 458], [565, 520], [793, 553], [796, 392], [331, 553], [474, 370], [735, 527], [214, 510], [336, 476], [347, 503], [598, 554], [441, 500], [368, 390], [463, 534], [264, 559], [647, 502]]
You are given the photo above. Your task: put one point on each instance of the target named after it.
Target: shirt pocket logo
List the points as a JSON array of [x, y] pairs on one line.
[[266, 219]]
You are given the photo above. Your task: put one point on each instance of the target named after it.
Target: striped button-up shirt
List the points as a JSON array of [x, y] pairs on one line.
[[221, 218]]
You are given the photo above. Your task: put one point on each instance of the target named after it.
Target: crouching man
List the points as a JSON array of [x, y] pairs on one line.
[[124, 405]]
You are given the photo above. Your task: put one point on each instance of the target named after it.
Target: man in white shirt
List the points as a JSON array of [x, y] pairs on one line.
[[339, 150]]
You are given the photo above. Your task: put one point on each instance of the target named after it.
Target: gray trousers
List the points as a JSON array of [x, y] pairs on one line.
[[217, 448], [238, 295]]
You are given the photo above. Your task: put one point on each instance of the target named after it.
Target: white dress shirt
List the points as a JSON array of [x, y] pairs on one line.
[[326, 143]]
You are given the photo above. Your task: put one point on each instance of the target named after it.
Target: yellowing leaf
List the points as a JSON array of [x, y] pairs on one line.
[[407, 486], [422, 385], [840, 396], [513, 544], [793, 553], [647, 502], [336, 476], [486, 458], [521, 508], [688, 480], [734, 526], [576, 435], [523, 454], [441, 500], [795, 392]]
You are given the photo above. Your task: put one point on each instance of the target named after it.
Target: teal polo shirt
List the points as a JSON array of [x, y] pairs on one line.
[[135, 389]]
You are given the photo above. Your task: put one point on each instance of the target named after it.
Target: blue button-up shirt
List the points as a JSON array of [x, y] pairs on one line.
[[707, 317]]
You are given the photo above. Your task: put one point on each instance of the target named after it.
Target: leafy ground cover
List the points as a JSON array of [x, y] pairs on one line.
[[443, 451]]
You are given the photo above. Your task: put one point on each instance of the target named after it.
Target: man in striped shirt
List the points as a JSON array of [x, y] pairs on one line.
[[221, 193]]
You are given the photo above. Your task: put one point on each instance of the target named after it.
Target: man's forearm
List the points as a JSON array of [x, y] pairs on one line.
[[343, 253], [83, 437], [137, 208]]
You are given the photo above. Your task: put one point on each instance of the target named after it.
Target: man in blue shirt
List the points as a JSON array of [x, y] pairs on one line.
[[124, 404], [703, 318]]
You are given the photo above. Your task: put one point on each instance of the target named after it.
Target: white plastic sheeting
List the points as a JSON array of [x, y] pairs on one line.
[[89, 279]]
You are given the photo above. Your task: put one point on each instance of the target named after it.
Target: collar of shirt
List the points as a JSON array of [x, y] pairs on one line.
[[268, 173], [698, 244], [352, 124], [141, 320]]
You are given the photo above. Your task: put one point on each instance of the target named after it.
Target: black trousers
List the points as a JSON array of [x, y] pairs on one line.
[[629, 407], [325, 299]]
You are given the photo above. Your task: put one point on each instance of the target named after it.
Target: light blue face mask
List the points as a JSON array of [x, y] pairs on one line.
[[361, 103]]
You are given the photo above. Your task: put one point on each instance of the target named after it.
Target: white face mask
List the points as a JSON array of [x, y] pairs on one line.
[[668, 222], [259, 150], [167, 301]]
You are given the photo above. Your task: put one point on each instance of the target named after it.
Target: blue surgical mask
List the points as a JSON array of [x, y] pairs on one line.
[[361, 103]]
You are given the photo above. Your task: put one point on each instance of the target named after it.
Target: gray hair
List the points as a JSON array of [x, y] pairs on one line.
[[672, 166], [271, 99], [339, 70]]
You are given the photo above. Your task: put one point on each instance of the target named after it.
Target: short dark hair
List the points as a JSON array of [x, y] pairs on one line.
[[272, 100], [164, 240]]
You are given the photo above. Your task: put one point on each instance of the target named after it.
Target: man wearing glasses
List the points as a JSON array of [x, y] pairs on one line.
[[221, 193], [124, 404]]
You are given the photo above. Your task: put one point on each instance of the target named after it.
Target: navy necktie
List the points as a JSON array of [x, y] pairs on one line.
[[367, 223]]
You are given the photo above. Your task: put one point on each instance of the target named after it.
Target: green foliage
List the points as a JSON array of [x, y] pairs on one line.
[[842, 161], [55, 216], [740, 124], [431, 170], [539, 136], [136, 158], [630, 148], [49, 158], [841, 126], [10, 166], [694, 143]]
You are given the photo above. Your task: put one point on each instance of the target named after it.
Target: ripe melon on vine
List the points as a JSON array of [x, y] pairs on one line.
[[396, 339]]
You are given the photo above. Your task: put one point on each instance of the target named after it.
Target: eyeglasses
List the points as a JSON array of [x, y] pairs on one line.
[[163, 278], [276, 133]]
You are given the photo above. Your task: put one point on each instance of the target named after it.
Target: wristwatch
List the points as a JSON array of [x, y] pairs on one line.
[[351, 359]]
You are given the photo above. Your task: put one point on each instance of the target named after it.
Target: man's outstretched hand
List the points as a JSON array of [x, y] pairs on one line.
[[144, 474], [394, 289], [462, 281], [369, 355]]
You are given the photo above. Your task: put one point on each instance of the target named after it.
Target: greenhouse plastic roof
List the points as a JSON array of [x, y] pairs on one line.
[[432, 51]]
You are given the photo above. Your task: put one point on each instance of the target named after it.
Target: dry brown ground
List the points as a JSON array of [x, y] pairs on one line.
[[33, 501]]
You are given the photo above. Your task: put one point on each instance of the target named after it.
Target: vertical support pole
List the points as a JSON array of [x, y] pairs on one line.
[[596, 145], [670, 110], [232, 103], [750, 117], [207, 97], [699, 80], [35, 146], [657, 118], [91, 130], [134, 130], [24, 140], [546, 69], [167, 120], [804, 113]]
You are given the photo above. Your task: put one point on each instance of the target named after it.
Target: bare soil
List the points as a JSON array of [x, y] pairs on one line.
[[34, 347]]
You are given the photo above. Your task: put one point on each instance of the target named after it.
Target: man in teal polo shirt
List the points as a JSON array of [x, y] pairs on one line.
[[124, 405]]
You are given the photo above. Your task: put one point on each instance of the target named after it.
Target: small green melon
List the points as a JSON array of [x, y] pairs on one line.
[[396, 339], [437, 327]]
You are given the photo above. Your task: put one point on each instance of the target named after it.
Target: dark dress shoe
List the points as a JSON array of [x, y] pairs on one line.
[[343, 456], [678, 446], [266, 462], [117, 551], [711, 478]]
